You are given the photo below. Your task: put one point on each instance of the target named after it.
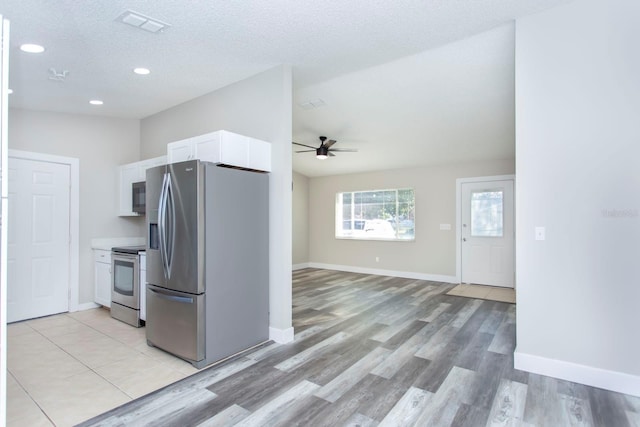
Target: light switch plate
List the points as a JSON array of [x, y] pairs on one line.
[[445, 226], [540, 233]]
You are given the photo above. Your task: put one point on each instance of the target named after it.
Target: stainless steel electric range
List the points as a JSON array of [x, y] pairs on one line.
[[125, 284]]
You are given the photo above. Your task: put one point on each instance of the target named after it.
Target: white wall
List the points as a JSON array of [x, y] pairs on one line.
[[433, 253], [578, 175], [259, 106], [101, 144], [300, 245]]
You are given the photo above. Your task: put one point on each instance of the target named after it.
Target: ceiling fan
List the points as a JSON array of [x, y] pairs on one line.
[[325, 150]]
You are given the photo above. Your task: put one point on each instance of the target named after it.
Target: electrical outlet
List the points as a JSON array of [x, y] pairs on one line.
[[377, 259], [540, 233]]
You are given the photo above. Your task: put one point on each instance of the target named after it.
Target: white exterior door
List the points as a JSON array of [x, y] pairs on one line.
[[38, 240], [487, 233]]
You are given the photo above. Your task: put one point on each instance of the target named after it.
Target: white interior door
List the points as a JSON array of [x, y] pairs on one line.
[[487, 221], [38, 240]]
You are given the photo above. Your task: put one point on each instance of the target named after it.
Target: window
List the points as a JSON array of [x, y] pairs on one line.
[[486, 213], [376, 215]]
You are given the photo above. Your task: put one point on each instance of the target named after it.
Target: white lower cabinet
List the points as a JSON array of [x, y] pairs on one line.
[[143, 287], [102, 277]]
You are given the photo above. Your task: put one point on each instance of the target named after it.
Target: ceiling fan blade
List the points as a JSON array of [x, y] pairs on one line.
[[304, 145], [331, 154], [345, 150], [329, 143], [305, 151]]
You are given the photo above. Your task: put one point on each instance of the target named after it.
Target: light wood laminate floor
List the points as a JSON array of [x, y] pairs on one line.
[[372, 350]]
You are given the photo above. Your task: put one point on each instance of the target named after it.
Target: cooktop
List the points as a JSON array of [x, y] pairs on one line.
[[129, 249]]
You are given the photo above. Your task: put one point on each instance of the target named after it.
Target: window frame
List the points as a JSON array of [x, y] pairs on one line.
[[339, 217]]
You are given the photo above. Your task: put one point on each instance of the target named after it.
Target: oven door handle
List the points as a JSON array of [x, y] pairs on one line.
[[175, 298]]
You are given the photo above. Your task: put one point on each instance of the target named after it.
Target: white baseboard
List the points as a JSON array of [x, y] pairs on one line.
[[281, 336], [301, 266], [86, 306], [379, 272], [588, 375]]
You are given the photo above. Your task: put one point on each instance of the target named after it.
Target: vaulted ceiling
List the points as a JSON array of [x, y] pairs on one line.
[[407, 83]]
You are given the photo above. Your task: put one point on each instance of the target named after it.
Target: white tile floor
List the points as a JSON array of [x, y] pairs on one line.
[[70, 367]]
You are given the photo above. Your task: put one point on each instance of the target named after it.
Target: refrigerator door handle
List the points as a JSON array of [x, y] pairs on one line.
[[175, 298], [171, 225], [162, 226]]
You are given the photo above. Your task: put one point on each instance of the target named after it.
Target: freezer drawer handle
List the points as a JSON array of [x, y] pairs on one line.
[[187, 300]]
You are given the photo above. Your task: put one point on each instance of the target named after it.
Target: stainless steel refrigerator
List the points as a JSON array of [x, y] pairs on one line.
[[207, 284]]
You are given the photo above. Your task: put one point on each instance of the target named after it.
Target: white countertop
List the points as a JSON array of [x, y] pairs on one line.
[[107, 243]]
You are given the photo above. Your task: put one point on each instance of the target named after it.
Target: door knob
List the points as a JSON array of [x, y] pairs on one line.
[[464, 239]]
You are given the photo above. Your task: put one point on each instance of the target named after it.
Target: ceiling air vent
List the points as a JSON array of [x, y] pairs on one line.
[[143, 22], [57, 76], [310, 105]]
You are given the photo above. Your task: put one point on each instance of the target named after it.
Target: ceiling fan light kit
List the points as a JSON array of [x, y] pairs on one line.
[[324, 150], [322, 153]]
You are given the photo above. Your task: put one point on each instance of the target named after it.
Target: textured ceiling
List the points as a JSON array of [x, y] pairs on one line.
[[211, 44]]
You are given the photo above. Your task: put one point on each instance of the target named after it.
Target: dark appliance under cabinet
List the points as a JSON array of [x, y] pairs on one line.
[[138, 197]]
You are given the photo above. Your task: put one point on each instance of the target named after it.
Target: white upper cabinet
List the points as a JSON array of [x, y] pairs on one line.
[[180, 151], [259, 155], [223, 147], [127, 175]]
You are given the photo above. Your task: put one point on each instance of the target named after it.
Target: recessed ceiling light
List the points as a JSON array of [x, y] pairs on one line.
[[31, 48], [96, 102], [141, 71]]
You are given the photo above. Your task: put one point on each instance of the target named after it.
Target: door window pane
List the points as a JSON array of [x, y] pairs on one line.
[[486, 213]]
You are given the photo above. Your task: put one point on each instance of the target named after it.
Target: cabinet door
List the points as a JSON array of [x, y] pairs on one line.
[[234, 149], [103, 284], [128, 175], [259, 155], [179, 151], [207, 147]]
